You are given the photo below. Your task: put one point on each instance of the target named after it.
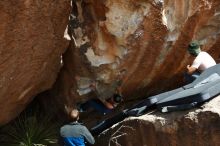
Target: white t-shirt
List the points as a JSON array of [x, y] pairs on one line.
[[203, 61]]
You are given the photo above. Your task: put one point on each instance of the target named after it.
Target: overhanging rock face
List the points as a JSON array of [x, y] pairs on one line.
[[148, 39], [31, 38], [197, 127]]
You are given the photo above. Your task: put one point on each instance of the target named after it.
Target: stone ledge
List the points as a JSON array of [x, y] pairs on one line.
[[195, 127]]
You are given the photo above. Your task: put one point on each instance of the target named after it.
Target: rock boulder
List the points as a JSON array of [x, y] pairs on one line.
[[31, 38], [147, 39], [196, 127]]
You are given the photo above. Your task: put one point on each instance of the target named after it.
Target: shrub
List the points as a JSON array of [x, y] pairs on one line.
[[30, 130]]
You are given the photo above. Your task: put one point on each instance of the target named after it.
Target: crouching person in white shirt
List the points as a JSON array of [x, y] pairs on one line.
[[201, 62]]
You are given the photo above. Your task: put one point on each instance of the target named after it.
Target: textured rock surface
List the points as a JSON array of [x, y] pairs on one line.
[[197, 127], [146, 38], [31, 38]]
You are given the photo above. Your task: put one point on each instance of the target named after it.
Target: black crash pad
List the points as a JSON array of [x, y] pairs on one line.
[[192, 95], [184, 97]]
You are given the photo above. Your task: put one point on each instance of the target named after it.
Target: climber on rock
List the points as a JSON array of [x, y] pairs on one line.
[[108, 94], [103, 107], [202, 61]]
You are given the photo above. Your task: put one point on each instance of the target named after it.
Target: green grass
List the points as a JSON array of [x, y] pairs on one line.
[[31, 128]]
